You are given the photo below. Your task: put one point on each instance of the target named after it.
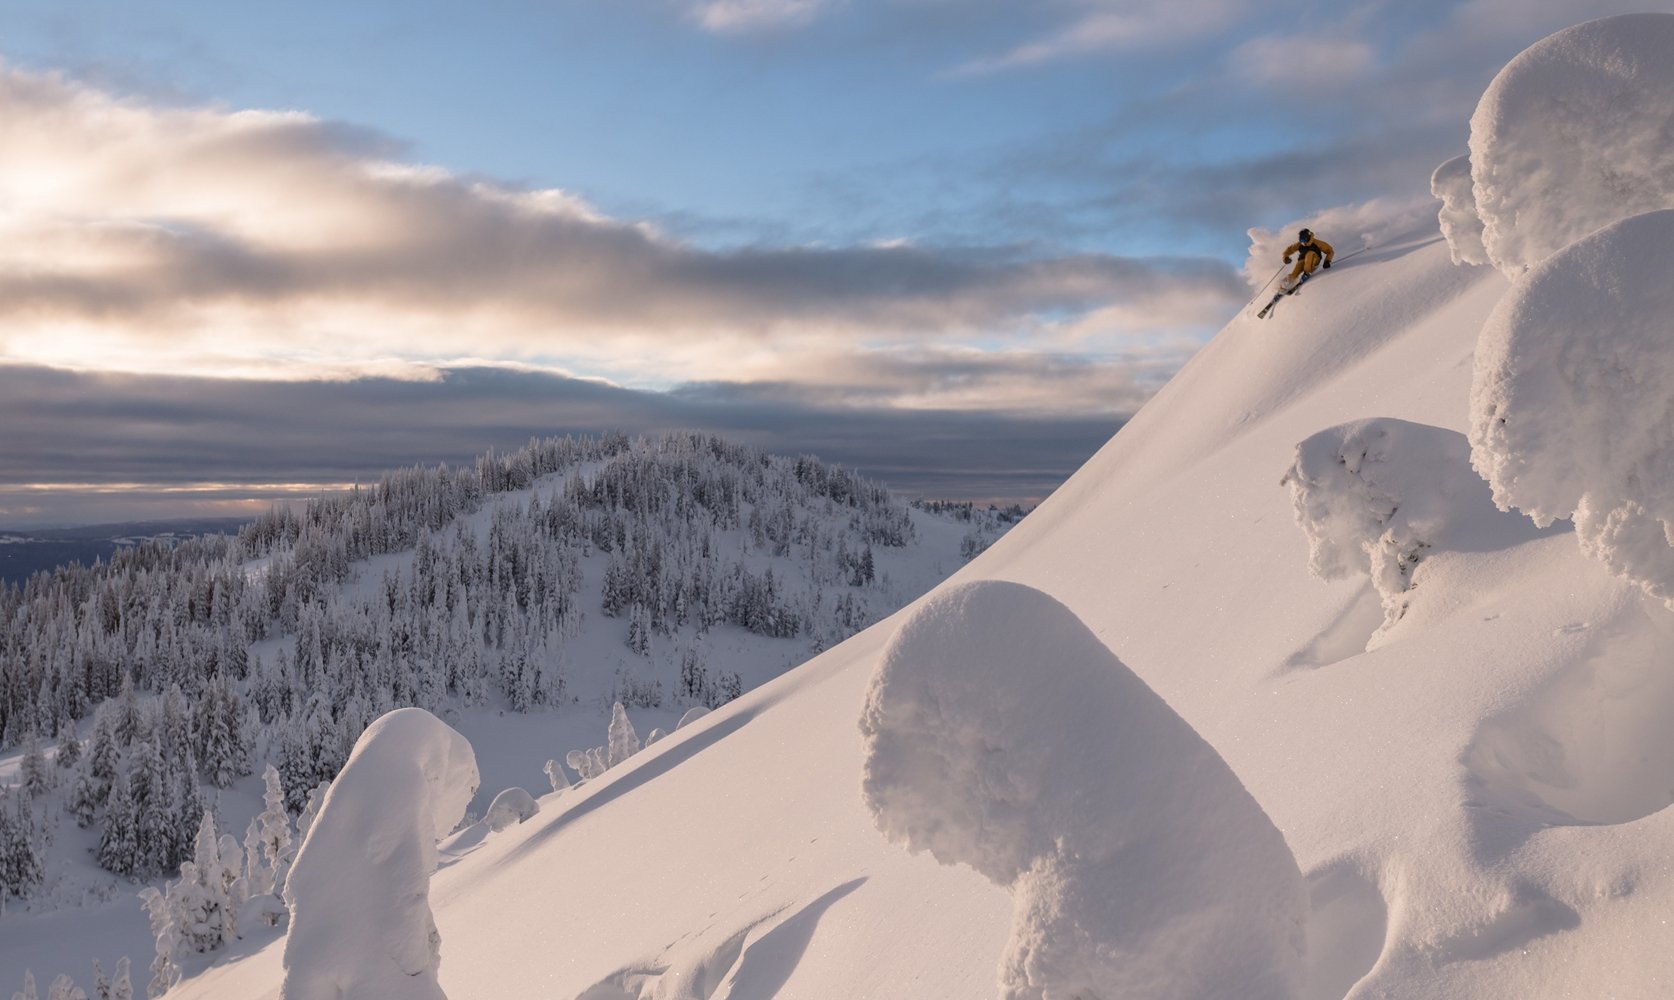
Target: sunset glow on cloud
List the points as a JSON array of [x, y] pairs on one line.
[[265, 243]]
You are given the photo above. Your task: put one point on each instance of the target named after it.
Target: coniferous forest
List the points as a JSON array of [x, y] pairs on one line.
[[176, 669]]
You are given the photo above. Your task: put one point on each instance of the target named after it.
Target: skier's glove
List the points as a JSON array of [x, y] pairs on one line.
[[1328, 265], [1287, 260]]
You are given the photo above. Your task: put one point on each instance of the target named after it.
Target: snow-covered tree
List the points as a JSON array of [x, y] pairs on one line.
[[164, 914], [102, 754], [622, 739], [122, 988], [221, 745], [305, 820], [578, 762], [639, 629], [156, 808], [21, 871], [34, 769], [83, 802], [118, 851], [272, 833], [69, 746], [190, 806], [65, 988], [206, 912]]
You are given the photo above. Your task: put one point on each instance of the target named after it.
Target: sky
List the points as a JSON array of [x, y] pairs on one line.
[[249, 252]]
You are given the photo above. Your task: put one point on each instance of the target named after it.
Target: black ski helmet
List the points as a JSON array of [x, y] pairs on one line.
[[1305, 235]]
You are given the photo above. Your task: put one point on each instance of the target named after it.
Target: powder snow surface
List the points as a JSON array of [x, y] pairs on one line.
[[1002, 734], [359, 892], [1573, 134], [1572, 410]]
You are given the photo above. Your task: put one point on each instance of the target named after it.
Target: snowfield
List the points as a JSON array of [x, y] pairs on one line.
[[1461, 732]]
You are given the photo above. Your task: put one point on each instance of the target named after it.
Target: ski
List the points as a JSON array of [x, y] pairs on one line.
[[1281, 293]]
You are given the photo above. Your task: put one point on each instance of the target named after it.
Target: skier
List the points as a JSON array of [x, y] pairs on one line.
[[1312, 252]]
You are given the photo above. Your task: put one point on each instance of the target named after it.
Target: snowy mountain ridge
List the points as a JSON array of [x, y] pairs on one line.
[[519, 600]]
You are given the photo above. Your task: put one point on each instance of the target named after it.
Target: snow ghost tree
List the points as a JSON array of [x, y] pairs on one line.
[[1460, 222], [1574, 133], [1375, 496], [359, 890], [623, 742], [1002, 734], [1572, 402], [509, 808]]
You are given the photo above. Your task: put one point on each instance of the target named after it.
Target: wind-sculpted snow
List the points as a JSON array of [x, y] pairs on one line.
[[1573, 134], [1572, 405], [1374, 496], [359, 891], [1002, 734], [1461, 224]]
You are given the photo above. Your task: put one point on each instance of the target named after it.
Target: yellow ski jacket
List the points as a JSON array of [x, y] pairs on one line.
[[1316, 246]]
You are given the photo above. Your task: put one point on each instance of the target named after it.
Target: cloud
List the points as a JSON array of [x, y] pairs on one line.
[[156, 239], [108, 446], [1299, 63], [1105, 26], [734, 16], [1259, 119]]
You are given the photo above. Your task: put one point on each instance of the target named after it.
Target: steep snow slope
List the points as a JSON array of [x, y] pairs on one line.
[[1477, 801]]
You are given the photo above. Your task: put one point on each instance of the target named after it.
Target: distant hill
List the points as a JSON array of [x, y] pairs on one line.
[[526, 594]]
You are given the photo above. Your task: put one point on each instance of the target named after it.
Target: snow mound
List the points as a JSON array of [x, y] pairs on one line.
[[509, 808], [1002, 734], [359, 891], [1572, 404], [1573, 134], [1374, 496], [1460, 222]]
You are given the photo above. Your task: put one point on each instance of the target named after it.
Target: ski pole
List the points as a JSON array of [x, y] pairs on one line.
[[1254, 298]]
